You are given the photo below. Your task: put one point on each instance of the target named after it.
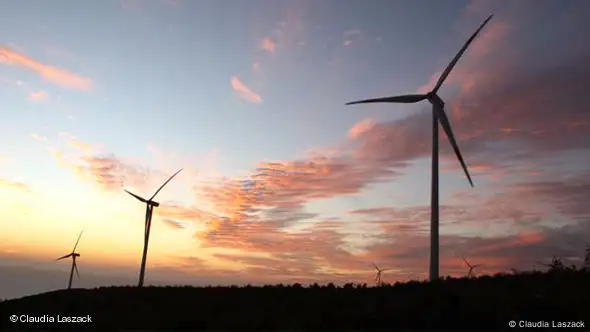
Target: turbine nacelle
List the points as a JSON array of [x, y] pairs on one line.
[[435, 100]]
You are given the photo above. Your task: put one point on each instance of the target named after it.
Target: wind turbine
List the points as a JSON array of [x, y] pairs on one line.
[[438, 114], [470, 274], [74, 255], [378, 276], [150, 205]]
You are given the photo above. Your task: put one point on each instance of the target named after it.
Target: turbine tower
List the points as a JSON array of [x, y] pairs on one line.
[[470, 274], [150, 205], [378, 275], [438, 115], [74, 255]]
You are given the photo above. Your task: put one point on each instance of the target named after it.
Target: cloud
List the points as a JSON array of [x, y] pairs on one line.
[[52, 74], [15, 185], [111, 173], [351, 36], [38, 95], [505, 112], [38, 137], [174, 224], [358, 129], [352, 33], [93, 165], [244, 92], [268, 45]]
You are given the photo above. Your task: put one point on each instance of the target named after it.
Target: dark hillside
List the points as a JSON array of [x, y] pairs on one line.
[[482, 303]]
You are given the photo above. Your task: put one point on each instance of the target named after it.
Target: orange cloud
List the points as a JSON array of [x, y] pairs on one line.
[[268, 45], [244, 92], [49, 73], [38, 95]]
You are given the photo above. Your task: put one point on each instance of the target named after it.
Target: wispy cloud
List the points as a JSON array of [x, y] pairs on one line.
[[93, 165], [39, 95], [15, 185], [38, 137], [351, 36], [52, 74], [174, 224], [358, 129], [244, 92], [268, 45]]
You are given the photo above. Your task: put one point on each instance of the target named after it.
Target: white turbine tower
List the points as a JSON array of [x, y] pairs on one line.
[[438, 115]]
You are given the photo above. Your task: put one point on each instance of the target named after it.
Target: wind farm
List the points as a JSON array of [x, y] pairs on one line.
[[267, 201]]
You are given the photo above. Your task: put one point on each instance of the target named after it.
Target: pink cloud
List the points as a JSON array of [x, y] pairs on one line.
[[50, 73], [268, 45], [358, 129], [244, 92], [38, 95]]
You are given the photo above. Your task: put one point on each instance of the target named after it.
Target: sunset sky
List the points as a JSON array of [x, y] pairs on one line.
[[97, 96]]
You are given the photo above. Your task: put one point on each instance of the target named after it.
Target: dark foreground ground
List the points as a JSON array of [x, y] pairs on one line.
[[483, 303]]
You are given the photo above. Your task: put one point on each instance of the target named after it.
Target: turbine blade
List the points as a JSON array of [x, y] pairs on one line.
[[76, 268], [141, 199], [76, 245], [444, 121], [65, 256], [466, 262], [165, 183], [447, 71], [407, 99]]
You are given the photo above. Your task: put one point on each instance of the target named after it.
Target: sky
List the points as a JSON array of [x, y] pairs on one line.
[[281, 181]]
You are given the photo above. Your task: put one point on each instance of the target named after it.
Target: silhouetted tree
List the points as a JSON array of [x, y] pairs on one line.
[[586, 266], [556, 265], [448, 303]]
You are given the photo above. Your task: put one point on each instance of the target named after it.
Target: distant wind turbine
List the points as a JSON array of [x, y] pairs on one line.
[[378, 275], [74, 255], [150, 205], [438, 114], [470, 274]]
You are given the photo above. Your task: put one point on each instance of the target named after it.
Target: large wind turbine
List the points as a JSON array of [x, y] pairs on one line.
[[378, 275], [470, 274], [74, 255], [438, 114], [150, 205]]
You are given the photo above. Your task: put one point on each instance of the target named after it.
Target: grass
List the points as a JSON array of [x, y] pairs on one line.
[[482, 303]]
